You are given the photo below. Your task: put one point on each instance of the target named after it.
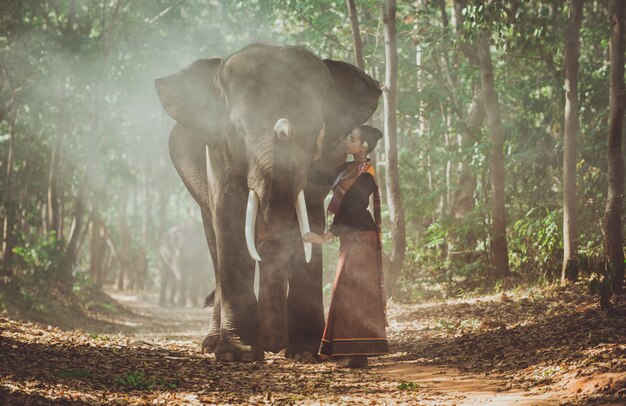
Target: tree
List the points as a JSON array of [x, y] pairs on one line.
[[570, 210], [614, 277], [394, 198], [356, 35], [499, 247], [9, 204]]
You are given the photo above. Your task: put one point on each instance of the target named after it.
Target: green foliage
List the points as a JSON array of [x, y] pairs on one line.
[[99, 337], [36, 266], [83, 286], [137, 380], [39, 257], [536, 247], [102, 307], [42, 287], [134, 380], [76, 373], [409, 386]]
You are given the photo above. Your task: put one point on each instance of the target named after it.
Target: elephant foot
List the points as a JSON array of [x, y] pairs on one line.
[[274, 344], [228, 351], [210, 343], [303, 352]]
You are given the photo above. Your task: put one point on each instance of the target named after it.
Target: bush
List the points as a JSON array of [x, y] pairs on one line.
[[536, 246]]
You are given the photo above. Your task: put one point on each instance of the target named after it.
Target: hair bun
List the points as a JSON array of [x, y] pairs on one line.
[[371, 135]]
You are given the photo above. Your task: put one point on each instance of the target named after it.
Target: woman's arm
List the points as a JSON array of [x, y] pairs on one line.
[[318, 239]]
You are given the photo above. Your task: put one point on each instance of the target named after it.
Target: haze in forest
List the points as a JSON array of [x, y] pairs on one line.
[[479, 117]]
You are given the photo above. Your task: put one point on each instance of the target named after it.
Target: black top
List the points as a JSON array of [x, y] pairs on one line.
[[353, 214]]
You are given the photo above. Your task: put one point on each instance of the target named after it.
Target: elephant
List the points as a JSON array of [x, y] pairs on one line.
[[247, 131], [185, 265]]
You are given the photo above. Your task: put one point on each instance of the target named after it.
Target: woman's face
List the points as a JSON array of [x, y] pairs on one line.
[[354, 144]]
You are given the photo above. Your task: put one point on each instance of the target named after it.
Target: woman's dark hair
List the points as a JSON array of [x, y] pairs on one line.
[[371, 135]]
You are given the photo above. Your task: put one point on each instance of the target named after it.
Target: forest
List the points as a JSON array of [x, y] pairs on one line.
[[501, 177]]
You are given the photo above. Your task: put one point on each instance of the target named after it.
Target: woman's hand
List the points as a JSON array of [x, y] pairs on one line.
[[313, 238], [316, 238]]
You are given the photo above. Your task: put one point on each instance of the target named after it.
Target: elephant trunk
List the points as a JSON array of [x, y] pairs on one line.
[[276, 177]]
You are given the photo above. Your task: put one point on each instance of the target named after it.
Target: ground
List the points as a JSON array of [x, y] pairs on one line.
[[532, 347]]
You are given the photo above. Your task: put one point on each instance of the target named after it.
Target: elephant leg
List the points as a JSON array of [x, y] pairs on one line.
[[272, 296], [213, 336], [239, 319], [305, 311], [188, 155], [225, 195]]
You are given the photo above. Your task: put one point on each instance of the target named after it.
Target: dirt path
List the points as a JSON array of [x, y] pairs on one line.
[[151, 356], [406, 380], [432, 385]]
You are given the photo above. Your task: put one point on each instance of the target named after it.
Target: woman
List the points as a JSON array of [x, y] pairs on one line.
[[355, 327]]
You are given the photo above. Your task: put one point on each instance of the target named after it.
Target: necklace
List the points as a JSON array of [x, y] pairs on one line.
[[355, 169]]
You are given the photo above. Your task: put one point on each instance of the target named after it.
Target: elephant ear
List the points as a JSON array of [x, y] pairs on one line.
[[191, 98], [350, 101]]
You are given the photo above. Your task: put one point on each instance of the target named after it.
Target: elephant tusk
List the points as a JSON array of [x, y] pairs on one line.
[[303, 221], [251, 211], [283, 129]]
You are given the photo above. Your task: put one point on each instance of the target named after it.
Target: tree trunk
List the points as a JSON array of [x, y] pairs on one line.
[[71, 251], [499, 247], [94, 248], [55, 164], [124, 243], [394, 198], [463, 197], [43, 209], [612, 213], [570, 216], [163, 200], [360, 63], [147, 224], [356, 35], [9, 204]]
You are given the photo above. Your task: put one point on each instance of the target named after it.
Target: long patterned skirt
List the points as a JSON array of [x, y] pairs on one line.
[[356, 318]]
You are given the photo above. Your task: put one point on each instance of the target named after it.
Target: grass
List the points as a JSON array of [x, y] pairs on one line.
[[137, 380], [75, 373], [408, 386]]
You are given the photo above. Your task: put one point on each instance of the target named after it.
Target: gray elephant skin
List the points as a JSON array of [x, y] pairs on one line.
[[247, 130], [185, 265]]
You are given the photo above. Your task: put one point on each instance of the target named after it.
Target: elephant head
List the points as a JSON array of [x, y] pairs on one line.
[[270, 108]]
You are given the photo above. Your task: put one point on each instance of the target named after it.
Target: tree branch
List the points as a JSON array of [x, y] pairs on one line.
[[303, 17]]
